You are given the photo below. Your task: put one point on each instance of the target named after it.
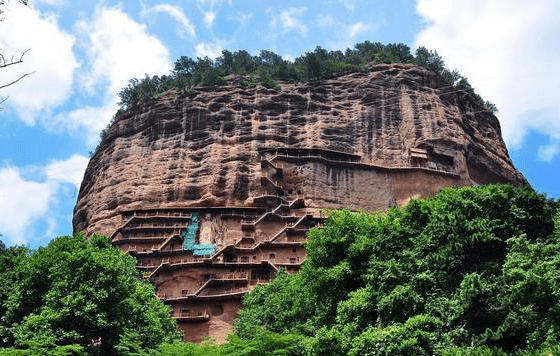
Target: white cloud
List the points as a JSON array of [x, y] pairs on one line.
[[25, 201], [69, 171], [241, 18], [327, 22], [119, 49], [214, 3], [291, 20], [509, 51], [212, 50], [209, 18], [350, 5], [93, 119], [51, 2], [51, 59], [343, 35], [114, 48], [21, 203], [358, 28], [287, 21], [289, 57], [177, 14], [548, 152]]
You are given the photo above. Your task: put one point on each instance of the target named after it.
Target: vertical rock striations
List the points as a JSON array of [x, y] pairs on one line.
[[213, 190]]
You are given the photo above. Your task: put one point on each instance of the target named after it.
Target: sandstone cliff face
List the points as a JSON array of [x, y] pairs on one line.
[[272, 159], [200, 148]]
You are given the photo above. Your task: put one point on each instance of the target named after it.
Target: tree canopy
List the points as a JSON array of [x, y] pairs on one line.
[[78, 296], [472, 271], [269, 67]]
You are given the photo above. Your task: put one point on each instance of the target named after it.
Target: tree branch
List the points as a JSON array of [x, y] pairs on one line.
[[15, 81], [12, 62], [5, 64]]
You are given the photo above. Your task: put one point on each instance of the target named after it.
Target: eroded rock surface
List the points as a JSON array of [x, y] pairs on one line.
[[249, 169]]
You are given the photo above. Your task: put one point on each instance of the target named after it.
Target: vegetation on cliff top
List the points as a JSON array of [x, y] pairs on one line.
[[471, 271], [270, 67]]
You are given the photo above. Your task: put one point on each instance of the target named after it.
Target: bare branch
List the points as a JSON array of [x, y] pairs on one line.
[[5, 63], [15, 81]]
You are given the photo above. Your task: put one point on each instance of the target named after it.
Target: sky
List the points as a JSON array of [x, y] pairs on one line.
[[80, 53]]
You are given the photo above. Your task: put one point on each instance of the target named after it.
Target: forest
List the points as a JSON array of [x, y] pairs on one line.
[[470, 271], [267, 68]]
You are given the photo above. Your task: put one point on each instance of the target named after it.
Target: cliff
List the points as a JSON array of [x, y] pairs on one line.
[[248, 170]]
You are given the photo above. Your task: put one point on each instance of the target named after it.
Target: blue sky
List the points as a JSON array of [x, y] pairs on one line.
[[83, 52]]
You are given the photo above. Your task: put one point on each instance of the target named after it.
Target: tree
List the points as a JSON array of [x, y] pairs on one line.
[[83, 294], [471, 271], [225, 62], [10, 258], [430, 59], [243, 62]]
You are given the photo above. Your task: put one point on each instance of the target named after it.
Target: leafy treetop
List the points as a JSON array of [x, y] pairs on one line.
[[78, 296], [472, 271], [270, 67]]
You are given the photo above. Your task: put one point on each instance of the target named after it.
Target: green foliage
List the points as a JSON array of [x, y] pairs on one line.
[[251, 82], [416, 337], [263, 343], [433, 60], [282, 309], [10, 259], [430, 59], [471, 271], [44, 348], [311, 66], [73, 291]]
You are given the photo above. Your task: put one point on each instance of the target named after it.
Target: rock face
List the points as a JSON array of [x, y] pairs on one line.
[[213, 189]]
